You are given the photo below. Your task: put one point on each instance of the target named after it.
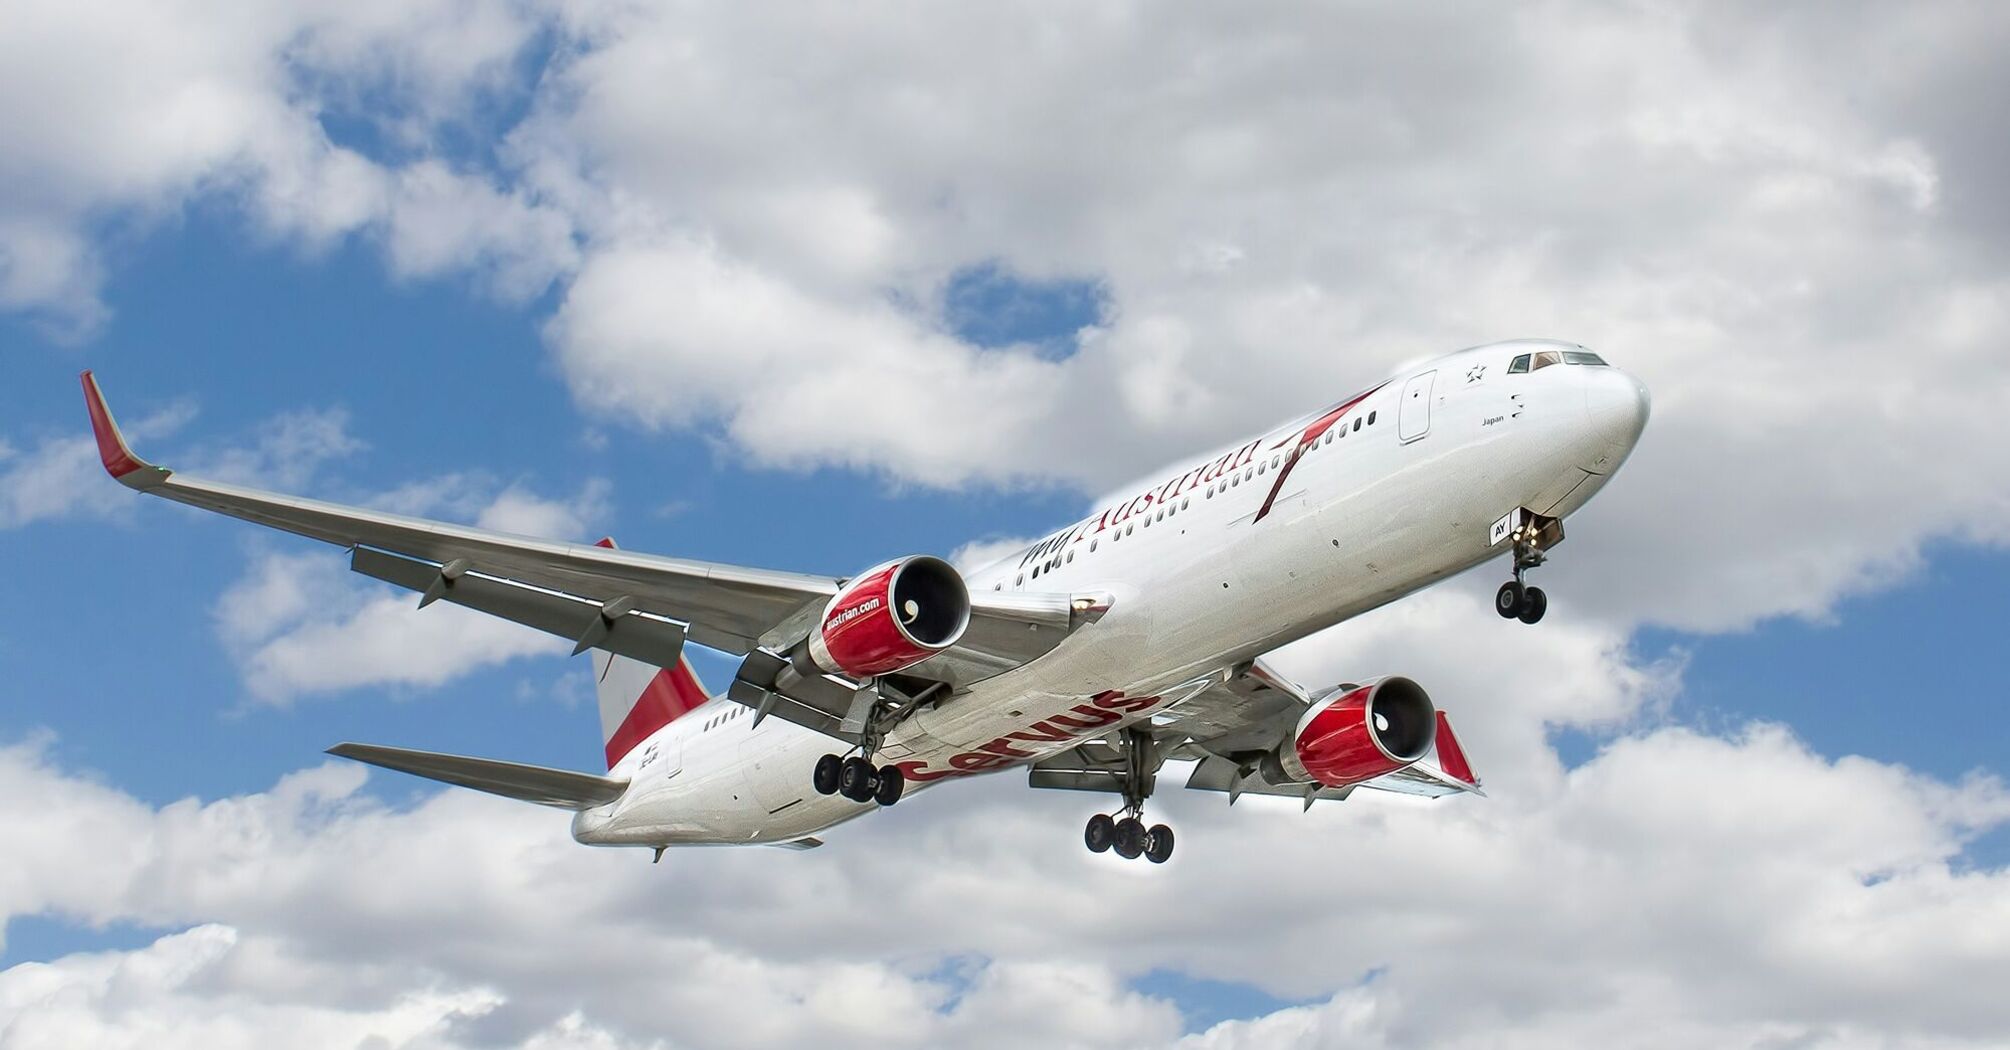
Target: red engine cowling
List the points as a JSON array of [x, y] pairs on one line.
[[1362, 733], [892, 616]]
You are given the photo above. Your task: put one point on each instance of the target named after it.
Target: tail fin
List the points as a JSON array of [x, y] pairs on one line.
[[637, 699]]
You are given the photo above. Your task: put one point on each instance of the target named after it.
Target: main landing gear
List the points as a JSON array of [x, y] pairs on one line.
[[1127, 835], [854, 778], [1517, 600]]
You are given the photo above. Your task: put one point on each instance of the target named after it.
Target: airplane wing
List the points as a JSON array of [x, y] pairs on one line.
[[639, 605]]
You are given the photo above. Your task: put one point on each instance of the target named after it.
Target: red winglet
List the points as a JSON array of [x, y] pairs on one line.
[[119, 459], [1451, 757]]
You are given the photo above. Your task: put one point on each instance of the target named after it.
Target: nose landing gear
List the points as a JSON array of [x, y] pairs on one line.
[[1517, 599]]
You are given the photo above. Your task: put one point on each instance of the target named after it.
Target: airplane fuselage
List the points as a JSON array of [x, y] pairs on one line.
[[1210, 565]]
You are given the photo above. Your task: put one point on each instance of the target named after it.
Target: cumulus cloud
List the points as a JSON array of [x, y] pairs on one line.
[[1677, 886], [62, 477], [752, 217], [299, 624], [126, 112]]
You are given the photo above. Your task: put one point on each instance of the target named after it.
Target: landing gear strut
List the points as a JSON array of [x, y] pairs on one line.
[[875, 710], [1127, 835], [1517, 600]]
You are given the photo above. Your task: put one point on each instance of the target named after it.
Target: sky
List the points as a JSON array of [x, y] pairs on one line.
[[811, 287]]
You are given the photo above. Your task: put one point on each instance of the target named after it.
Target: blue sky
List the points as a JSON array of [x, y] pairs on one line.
[[794, 290]]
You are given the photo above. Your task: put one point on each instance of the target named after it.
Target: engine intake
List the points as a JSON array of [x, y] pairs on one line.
[[890, 617], [1362, 733]]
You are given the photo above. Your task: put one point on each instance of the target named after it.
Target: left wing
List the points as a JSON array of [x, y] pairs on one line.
[[639, 605], [727, 607]]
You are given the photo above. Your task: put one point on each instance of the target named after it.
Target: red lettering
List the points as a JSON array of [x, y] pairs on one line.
[[917, 770], [1112, 700], [974, 761], [1002, 746]]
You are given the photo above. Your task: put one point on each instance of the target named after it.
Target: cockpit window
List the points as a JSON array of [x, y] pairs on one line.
[[1545, 359], [1519, 364], [1581, 357]]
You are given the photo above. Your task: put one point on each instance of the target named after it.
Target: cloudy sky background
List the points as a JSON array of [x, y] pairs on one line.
[[813, 286]]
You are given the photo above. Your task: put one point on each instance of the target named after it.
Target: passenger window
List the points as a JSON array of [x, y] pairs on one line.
[[1581, 357], [1092, 546], [1544, 360], [1357, 422], [1273, 462], [1519, 364], [1371, 419]]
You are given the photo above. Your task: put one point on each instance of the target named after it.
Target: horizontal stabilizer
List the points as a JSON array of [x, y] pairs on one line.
[[546, 787]]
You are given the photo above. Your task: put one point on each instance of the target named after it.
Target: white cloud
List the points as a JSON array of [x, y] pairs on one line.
[[299, 624], [1678, 886], [751, 218], [125, 112], [62, 477]]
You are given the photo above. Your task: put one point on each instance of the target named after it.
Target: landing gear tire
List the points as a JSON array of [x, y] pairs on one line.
[[1100, 833], [1130, 838], [1533, 604], [1158, 844], [1508, 600], [890, 784], [825, 779], [855, 780]]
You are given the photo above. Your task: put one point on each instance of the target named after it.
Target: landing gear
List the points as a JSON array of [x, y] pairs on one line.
[[1517, 600], [1127, 835], [1100, 833], [855, 779], [1130, 843], [887, 791], [826, 776]]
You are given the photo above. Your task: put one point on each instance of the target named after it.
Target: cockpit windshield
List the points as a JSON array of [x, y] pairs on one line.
[[1545, 358]]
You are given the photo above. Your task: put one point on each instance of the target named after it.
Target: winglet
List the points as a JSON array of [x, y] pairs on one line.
[[120, 463], [1452, 757]]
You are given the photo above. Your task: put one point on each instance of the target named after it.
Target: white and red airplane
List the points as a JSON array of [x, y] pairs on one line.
[[1093, 656]]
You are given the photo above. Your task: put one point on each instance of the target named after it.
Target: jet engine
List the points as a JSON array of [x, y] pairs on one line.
[[1356, 734], [890, 617]]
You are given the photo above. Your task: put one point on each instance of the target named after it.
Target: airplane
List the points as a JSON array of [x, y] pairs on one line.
[[1090, 658]]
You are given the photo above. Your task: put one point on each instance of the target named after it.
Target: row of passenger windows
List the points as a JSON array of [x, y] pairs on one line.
[[1171, 509], [1537, 361]]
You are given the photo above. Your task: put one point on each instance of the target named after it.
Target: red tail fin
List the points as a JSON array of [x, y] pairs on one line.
[[637, 699]]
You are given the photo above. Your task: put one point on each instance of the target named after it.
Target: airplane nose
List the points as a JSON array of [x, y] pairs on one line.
[[1616, 407]]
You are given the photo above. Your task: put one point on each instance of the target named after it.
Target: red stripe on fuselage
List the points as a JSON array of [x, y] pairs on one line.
[[1306, 440]]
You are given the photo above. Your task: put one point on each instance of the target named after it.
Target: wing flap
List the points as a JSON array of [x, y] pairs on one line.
[[652, 639], [559, 788]]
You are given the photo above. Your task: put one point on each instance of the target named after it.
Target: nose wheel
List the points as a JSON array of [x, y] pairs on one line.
[[1517, 601]]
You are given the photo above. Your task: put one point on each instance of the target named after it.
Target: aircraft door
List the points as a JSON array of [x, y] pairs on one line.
[[1413, 417]]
